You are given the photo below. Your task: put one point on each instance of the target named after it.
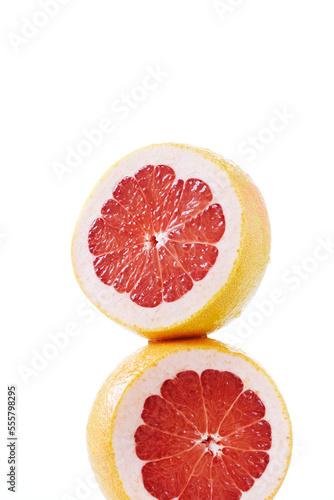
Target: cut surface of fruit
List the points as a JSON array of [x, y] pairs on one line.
[[189, 419], [156, 236], [172, 242], [203, 432]]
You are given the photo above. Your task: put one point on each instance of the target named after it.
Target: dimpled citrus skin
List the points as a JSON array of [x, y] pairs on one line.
[[248, 269], [104, 412]]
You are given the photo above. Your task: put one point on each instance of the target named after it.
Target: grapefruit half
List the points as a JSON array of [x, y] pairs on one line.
[[189, 419], [172, 242]]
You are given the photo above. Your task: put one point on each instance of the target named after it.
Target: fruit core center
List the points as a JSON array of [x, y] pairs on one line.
[[212, 444], [157, 240]]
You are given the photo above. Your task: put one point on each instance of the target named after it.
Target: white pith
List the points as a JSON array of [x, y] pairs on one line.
[[128, 417], [215, 448], [187, 164], [162, 238]]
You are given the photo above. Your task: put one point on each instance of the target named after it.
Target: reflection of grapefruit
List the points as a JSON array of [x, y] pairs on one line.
[[172, 242], [189, 419]]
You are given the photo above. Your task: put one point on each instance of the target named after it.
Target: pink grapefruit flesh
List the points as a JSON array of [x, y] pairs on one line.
[[203, 437], [156, 236]]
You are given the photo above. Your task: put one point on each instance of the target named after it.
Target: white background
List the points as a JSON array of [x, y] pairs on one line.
[[226, 75]]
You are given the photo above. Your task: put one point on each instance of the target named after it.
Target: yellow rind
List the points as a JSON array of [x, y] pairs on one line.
[[248, 269], [104, 412]]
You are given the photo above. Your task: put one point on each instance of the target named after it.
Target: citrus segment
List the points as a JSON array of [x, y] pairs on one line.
[[184, 392], [254, 462], [157, 475], [159, 413], [200, 483], [189, 420], [247, 409], [223, 486], [220, 390], [161, 444], [172, 242]]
